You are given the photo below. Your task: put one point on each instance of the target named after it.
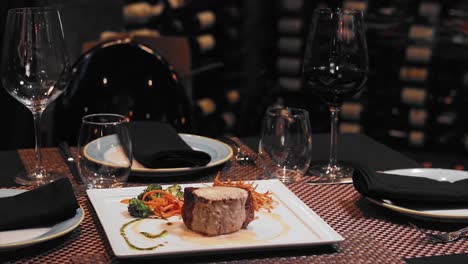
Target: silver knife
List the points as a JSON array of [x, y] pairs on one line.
[[327, 182], [67, 156]]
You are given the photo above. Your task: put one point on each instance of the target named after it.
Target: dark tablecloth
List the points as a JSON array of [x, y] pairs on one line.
[[354, 148]]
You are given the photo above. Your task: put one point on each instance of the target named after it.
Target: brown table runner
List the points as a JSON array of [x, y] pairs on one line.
[[372, 234]]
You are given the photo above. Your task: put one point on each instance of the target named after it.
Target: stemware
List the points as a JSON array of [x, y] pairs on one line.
[[335, 67], [106, 135], [286, 143], [34, 68]]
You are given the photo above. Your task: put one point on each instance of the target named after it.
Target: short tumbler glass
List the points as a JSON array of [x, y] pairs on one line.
[[105, 151], [286, 143]]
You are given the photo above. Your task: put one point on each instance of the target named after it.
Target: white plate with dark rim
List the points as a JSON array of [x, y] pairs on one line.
[[14, 239], [428, 211], [291, 224], [218, 151]]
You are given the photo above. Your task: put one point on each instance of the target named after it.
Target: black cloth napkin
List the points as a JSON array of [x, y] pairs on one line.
[[158, 145], [43, 206], [406, 189], [11, 165]]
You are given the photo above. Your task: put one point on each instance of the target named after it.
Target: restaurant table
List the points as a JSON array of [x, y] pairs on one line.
[[372, 234]]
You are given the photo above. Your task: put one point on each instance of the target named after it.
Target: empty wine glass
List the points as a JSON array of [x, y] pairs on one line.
[[335, 67], [286, 143], [105, 151], [34, 68]]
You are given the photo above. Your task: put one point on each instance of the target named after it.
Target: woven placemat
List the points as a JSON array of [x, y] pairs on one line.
[[372, 234]]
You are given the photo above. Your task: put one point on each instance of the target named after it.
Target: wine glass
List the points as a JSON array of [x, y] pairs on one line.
[[105, 136], [335, 67], [286, 143], [34, 68]]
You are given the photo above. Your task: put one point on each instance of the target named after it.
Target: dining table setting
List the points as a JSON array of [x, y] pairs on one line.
[[134, 191], [347, 225]]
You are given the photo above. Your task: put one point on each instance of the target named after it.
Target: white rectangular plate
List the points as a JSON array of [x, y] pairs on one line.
[[290, 224]]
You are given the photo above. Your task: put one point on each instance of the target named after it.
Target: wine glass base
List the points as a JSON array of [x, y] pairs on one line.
[[329, 173], [37, 179]]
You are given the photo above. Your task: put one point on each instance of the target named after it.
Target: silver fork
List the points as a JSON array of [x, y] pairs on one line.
[[443, 237], [240, 156]]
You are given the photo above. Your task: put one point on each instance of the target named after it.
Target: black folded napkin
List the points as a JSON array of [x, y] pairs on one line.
[[43, 206], [158, 145], [11, 165], [406, 189]]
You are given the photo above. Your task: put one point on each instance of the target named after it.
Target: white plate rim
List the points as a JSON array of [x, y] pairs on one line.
[[413, 212], [79, 213], [185, 137], [304, 214]]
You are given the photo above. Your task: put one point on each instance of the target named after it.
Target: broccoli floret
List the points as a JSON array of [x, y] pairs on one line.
[[138, 208], [175, 190], [150, 188]]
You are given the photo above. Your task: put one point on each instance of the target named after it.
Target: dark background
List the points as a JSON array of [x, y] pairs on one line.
[[262, 68]]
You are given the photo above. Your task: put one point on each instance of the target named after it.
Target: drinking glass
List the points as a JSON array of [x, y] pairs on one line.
[[104, 151], [34, 68], [286, 143], [335, 67]]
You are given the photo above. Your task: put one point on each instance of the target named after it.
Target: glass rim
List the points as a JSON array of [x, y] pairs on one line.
[[35, 9], [121, 119], [294, 111], [346, 11]]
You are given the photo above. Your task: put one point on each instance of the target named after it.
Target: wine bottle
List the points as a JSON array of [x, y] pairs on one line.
[[417, 138], [232, 12], [230, 120], [421, 33], [142, 12], [292, 6], [233, 97], [407, 138], [397, 137], [290, 84], [417, 117], [192, 23], [201, 44], [418, 53], [414, 96], [350, 127], [414, 73], [290, 26], [207, 106], [289, 66], [351, 111], [445, 130], [430, 10], [355, 5], [290, 45], [208, 121]]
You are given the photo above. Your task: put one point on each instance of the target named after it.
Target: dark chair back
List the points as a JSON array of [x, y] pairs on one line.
[[126, 78]]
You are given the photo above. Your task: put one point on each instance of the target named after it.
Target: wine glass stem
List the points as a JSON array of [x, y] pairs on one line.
[[37, 135], [334, 112]]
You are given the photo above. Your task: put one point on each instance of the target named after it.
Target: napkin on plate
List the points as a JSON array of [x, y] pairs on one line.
[[43, 206], [409, 189], [158, 145]]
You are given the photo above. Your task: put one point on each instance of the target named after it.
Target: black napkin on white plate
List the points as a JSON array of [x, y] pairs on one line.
[[158, 145], [409, 189], [43, 206], [11, 165]]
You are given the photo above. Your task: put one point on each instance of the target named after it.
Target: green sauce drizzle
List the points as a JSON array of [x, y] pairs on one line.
[[149, 235]]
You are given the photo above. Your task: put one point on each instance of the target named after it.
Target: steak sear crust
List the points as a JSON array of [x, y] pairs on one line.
[[214, 211]]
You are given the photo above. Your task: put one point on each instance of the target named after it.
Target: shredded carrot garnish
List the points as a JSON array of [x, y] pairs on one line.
[[164, 206], [125, 201], [260, 200]]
